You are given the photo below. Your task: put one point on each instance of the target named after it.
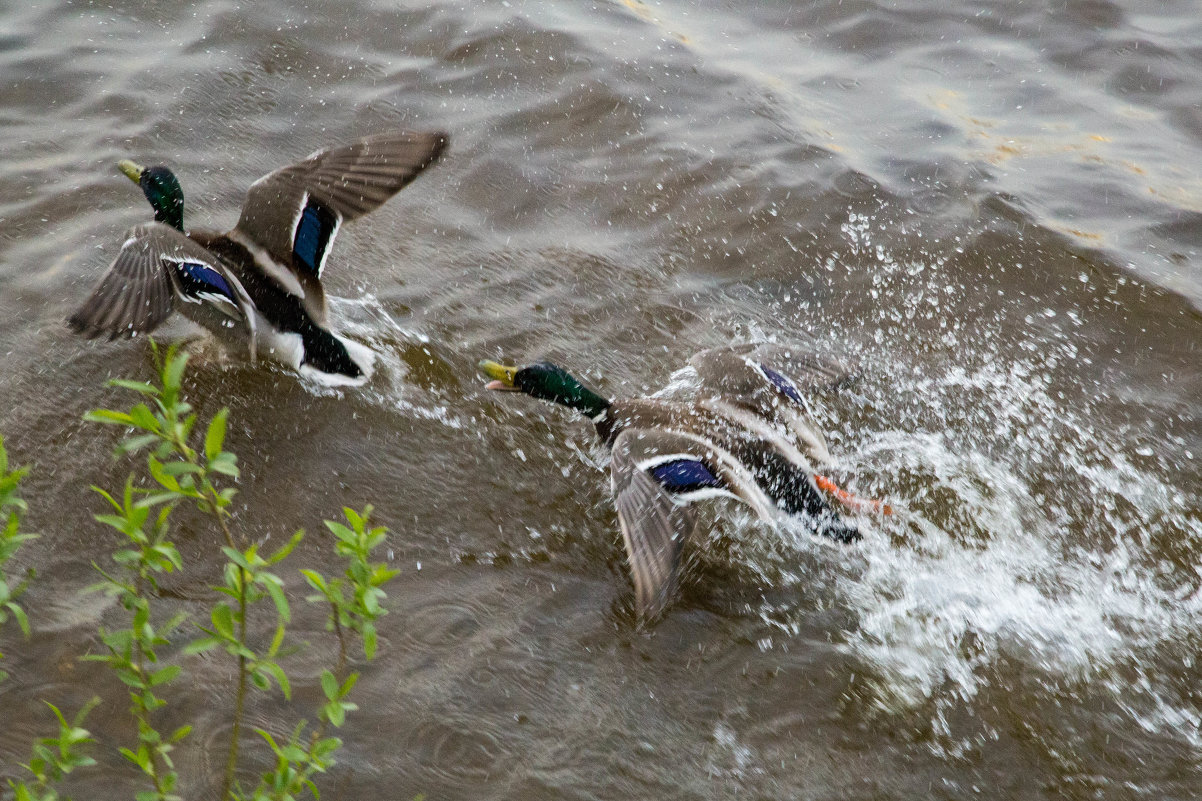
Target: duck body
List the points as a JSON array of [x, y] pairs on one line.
[[277, 323], [748, 436], [741, 456], [257, 287]]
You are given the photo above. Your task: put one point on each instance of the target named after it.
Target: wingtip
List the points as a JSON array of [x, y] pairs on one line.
[[650, 606], [80, 326], [440, 142]]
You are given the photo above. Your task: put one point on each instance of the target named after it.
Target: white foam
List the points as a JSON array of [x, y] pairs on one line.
[[1024, 548], [366, 319], [1002, 575]]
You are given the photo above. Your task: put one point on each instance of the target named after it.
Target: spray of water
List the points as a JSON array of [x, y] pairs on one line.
[[1026, 544]]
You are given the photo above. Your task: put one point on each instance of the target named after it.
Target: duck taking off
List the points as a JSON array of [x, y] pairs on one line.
[[749, 436], [257, 286]]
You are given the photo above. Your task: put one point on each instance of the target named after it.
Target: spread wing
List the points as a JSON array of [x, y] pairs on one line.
[[772, 381], [655, 476], [295, 212], [138, 291], [786, 371]]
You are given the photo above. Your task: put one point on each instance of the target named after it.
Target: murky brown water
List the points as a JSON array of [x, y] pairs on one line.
[[995, 207]]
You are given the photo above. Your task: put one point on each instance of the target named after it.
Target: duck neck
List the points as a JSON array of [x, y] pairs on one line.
[[576, 396], [171, 212], [565, 390]]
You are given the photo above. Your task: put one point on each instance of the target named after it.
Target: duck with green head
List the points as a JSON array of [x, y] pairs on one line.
[[749, 436], [257, 286]]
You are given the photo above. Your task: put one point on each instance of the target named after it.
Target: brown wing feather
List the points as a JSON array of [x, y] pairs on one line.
[[136, 294], [654, 527], [737, 375], [726, 370], [351, 180]]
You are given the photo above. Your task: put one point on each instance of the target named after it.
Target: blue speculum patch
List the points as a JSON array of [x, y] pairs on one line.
[[313, 232], [197, 277], [684, 475], [786, 386]]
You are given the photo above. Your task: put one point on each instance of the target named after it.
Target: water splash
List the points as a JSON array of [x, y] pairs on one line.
[[366, 319], [1048, 533]]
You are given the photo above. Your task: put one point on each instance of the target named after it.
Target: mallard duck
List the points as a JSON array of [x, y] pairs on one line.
[[749, 436], [257, 286]]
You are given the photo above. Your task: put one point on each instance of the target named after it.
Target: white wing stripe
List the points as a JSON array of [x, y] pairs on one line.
[[737, 476], [656, 461], [325, 254], [702, 494]]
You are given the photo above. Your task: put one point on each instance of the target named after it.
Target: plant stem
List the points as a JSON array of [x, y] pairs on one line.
[[141, 711], [339, 674], [231, 762], [217, 513]]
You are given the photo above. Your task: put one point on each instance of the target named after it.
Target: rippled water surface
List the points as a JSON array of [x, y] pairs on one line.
[[994, 209]]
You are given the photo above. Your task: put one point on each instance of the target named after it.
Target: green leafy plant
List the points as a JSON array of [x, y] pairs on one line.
[[141, 515], [248, 580], [54, 757], [354, 601], [12, 509], [133, 651], [163, 424]]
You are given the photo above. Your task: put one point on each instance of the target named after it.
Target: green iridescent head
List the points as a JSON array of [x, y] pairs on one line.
[[545, 381], [161, 188]]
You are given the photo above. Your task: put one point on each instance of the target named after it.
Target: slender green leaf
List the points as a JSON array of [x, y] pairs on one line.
[[237, 558], [156, 498], [135, 444], [165, 479], [223, 621], [19, 614], [335, 713], [141, 416], [215, 436], [281, 678], [199, 646], [276, 641], [164, 675], [108, 416], [136, 386], [340, 531], [329, 685], [225, 463], [286, 548], [348, 685], [369, 641], [277, 596], [173, 370], [315, 579]]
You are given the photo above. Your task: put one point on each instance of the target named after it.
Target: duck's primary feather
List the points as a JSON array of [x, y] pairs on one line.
[[654, 526]]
